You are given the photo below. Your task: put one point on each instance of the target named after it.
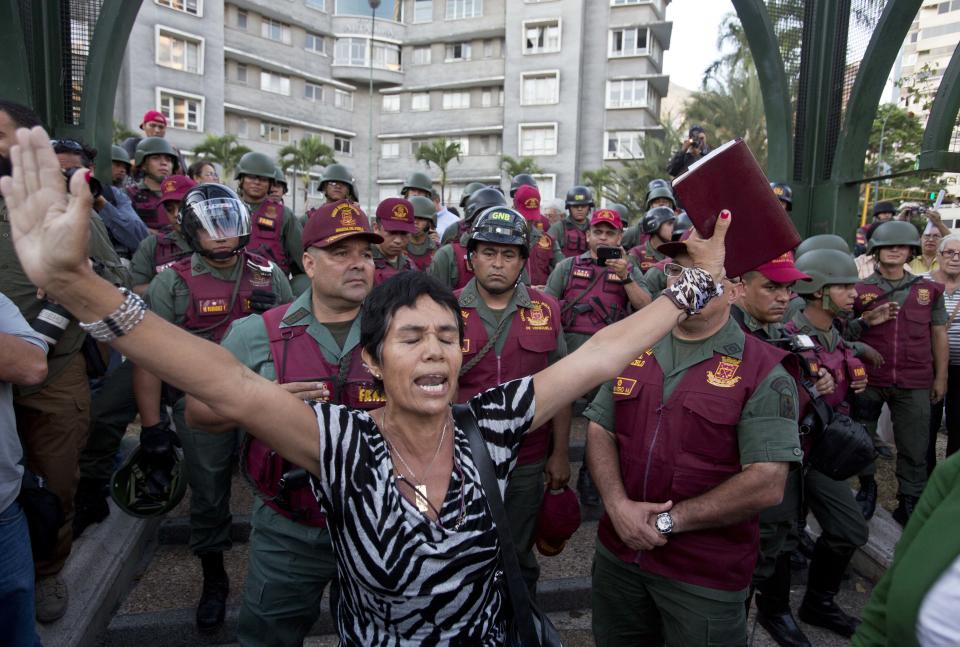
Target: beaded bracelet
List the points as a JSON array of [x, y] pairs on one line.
[[120, 321], [693, 290]]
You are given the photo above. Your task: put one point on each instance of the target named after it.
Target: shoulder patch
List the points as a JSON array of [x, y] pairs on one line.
[[787, 406], [294, 317]]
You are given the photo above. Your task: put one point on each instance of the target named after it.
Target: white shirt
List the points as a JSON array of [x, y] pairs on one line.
[[938, 623]]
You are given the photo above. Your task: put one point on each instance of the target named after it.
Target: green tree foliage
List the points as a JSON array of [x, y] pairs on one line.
[[121, 132], [223, 150], [302, 156], [517, 165], [732, 107], [902, 139], [440, 152]]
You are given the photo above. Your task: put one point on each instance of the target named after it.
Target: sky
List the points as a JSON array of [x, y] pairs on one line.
[[693, 45]]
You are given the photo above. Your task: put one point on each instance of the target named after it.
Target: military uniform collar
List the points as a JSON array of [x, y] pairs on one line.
[[199, 266], [142, 185], [470, 297], [772, 330], [396, 264], [878, 279], [827, 338], [300, 313], [728, 341], [585, 225], [653, 251]]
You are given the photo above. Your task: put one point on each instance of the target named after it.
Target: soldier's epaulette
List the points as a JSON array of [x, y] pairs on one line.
[[292, 318]]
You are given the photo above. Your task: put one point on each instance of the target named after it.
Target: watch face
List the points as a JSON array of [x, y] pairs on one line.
[[664, 523]]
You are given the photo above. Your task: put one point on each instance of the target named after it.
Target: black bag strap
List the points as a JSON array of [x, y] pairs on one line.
[[902, 286], [491, 342], [519, 599]]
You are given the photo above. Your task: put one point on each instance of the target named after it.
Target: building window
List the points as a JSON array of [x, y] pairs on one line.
[[386, 56], [628, 42], [490, 97], [456, 100], [488, 145], [240, 128], [313, 92], [538, 139], [458, 52], [620, 3], [350, 51], [540, 88], [624, 144], [192, 7], [388, 9], [241, 73], [182, 111], [274, 133], [541, 37], [277, 83], [342, 145], [315, 43], [343, 99], [547, 185], [415, 145], [275, 30], [319, 5], [463, 142], [488, 47], [627, 93], [179, 52], [389, 150], [421, 55], [420, 101], [457, 9], [242, 17], [422, 10], [391, 103]]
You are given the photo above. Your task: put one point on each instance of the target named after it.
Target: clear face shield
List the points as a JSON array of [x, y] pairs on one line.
[[222, 218]]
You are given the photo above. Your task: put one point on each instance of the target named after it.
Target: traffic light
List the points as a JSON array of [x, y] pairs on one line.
[[932, 195]]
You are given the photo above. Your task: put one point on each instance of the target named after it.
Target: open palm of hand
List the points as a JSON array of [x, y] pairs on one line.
[[50, 227]]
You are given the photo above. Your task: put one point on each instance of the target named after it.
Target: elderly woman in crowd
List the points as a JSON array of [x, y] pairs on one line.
[[947, 274], [416, 546]]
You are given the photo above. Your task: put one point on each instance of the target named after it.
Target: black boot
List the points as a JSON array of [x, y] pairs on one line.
[[213, 600], [773, 606], [867, 496], [90, 504], [586, 488], [819, 607], [905, 509]]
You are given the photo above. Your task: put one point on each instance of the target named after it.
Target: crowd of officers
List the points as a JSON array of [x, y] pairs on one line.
[[709, 419]]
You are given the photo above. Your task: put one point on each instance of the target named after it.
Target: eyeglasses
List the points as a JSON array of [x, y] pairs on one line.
[[67, 146], [673, 270], [209, 174], [951, 253], [932, 236]]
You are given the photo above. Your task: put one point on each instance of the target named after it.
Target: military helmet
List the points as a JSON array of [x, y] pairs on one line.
[[216, 209], [894, 232], [822, 241], [579, 195], [279, 177], [659, 189], [423, 208], [119, 154], [483, 199], [654, 218], [132, 491], [343, 175], [883, 207], [521, 179], [503, 226], [156, 146], [682, 225], [468, 190], [825, 267], [784, 193], [418, 180], [622, 210], [257, 164]]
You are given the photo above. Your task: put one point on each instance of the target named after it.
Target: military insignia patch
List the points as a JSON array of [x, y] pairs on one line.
[[267, 223], [923, 296], [531, 203], [537, 316], [213, 306], [465, 346], [544, 242], [867, 298], [859, 372], [624, 386], [582, 274], [271, 210], [640, 361], [366, 394], [725, 375], [399, 212]]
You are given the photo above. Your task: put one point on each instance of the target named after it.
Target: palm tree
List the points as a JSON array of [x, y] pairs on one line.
[[121, 132], [439, 152], [732, 107], [302, 156], [223, 150], [515, 166]]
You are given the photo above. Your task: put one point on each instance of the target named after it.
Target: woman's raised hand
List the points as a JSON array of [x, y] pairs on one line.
[[709, 253], [50, 227]]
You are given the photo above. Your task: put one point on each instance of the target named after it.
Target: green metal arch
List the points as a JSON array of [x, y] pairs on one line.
[[880, 56], [765, 48], [946, 105]]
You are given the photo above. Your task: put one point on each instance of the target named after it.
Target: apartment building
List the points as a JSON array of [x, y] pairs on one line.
[[572, 83]]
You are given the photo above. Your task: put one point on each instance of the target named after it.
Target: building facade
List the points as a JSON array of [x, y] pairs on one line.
[[574, 84]]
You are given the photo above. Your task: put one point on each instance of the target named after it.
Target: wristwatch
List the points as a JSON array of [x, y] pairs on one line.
[[664, 523]]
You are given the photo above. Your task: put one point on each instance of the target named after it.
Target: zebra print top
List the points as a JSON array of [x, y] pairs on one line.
[[404, 579]]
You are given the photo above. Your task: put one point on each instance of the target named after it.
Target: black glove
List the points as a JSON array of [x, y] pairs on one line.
[[262, 300], [157, 443]]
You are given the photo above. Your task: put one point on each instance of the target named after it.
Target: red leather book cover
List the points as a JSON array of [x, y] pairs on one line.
[[729, 177]]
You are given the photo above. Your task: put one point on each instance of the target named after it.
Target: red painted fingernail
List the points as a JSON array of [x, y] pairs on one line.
[[87, 176], [724, 214]]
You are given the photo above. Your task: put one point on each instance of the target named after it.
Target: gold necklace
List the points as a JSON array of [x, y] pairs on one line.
[[421, 499]]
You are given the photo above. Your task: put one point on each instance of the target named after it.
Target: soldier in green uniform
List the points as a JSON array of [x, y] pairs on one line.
[[659, 194], [570, 234], [657, 229], [678, 539], [417, 183], [203, 293], [291, 557], [160, 250], [425, 240], [279, 188], [155, 159], [911, 336], [338, 183], [449, 263]]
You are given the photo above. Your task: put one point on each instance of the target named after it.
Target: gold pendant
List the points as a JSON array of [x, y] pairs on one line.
[[421, 498]]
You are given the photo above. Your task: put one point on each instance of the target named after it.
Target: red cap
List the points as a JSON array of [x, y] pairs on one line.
[[607, 217], [559, 518], [336, 221], [153, 115], [527, 201], [781, 269], [174, 187], [396, 214]]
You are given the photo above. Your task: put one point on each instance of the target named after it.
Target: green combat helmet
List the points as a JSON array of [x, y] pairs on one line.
[[133, 492], [418, 180], [156, 146], [501, 226], [825, 267], [281, 178], [340, 173], [483, 199], [659, 189], [654, 218], [119, 154], [822, 241], [622, 210], [578, 196], [895, 232], [469, 189], [257, 164], [423, 208], [522, 179]]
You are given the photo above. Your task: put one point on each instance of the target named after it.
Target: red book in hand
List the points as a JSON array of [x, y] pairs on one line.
[[729, 177]]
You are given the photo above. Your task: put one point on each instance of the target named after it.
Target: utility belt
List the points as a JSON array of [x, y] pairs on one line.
[[283, 486]]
